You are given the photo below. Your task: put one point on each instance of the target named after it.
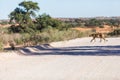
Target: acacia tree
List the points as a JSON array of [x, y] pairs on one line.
[[17, 15], [23, 16], [25, 12], [29, 9]]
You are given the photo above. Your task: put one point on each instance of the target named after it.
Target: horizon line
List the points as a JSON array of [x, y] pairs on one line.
[[78, 17]]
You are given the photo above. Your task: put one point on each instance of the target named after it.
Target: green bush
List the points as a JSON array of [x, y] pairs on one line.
[[116, 32], [1, 44]]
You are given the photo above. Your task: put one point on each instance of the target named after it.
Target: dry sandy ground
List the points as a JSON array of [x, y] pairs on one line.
[[86, 42], [67, 60]]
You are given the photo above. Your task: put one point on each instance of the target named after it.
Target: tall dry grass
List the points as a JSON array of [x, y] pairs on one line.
[[46, 36]]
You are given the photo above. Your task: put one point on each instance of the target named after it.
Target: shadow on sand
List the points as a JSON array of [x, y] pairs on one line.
[[46, 49]]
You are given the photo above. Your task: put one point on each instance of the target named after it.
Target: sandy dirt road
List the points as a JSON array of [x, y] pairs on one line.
[[97, 61]]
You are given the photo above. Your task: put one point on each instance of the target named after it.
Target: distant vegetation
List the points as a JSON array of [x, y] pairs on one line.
[[91, 22], [28, 28]]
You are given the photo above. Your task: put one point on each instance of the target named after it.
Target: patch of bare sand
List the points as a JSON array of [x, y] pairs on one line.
[[86, 42]]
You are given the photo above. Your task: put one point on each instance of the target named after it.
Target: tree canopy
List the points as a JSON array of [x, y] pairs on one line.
[[25, 12]]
